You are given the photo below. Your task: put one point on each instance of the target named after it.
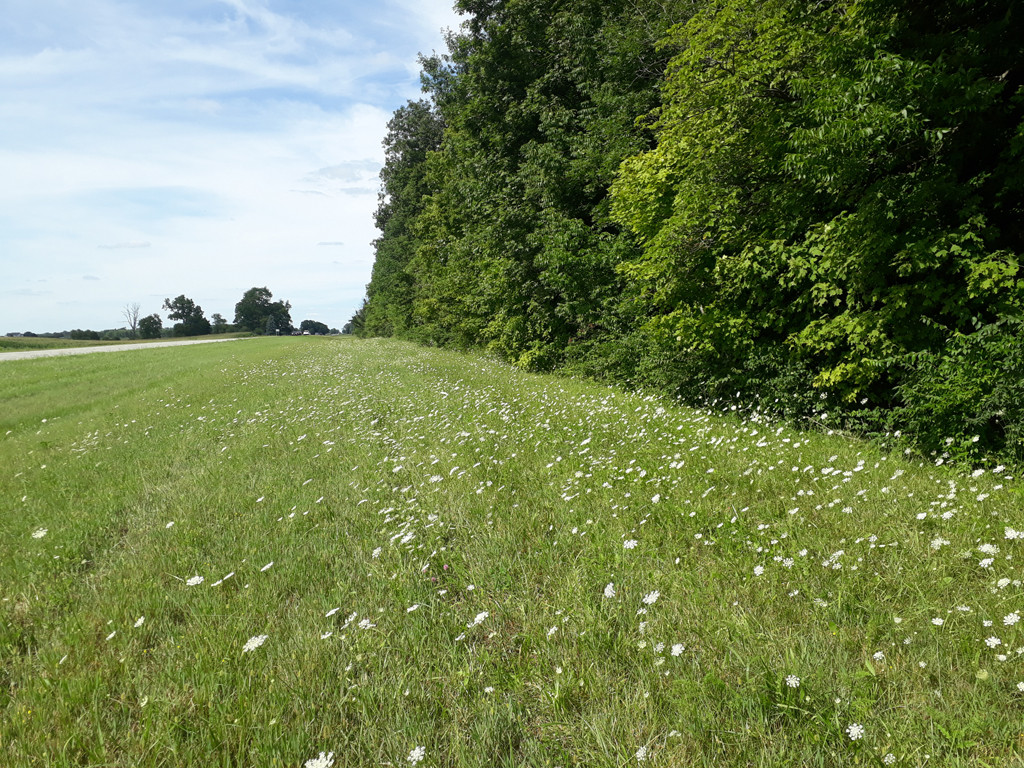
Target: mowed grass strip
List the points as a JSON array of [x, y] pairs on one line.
[[252, 554]]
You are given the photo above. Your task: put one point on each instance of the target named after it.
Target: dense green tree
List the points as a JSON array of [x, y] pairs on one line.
[[219, 324], [255, 307], [413, 132], [150, 327], [516, 247], [190, 317], [314, 326], [825, 177]]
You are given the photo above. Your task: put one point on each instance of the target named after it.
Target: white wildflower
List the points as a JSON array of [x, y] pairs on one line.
[[321, 761], [254, 642]]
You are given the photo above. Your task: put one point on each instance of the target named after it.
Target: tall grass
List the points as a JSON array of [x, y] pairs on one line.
[[422, 549]]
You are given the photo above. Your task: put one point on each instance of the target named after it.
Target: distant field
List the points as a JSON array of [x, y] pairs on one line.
[[249, 555], [22, 343]]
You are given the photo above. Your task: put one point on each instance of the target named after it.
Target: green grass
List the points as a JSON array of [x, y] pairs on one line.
[[378, 476], [31, 343]]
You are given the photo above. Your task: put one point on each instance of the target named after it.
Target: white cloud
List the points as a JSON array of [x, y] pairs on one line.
[[163, 145]]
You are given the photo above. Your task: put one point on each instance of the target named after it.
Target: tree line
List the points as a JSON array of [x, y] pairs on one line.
[[812, 207], [254, 313]]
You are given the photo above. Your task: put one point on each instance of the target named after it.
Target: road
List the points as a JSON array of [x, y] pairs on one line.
[[28, 355]]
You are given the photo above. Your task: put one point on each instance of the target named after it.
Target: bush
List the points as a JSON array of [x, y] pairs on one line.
[[967, 398]]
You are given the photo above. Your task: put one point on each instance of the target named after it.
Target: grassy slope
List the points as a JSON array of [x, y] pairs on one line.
[[472, 516]]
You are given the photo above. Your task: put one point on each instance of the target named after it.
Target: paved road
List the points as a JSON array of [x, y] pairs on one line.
[[28, 355]]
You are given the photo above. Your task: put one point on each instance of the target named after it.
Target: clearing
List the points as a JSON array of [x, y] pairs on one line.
[[252, 554]]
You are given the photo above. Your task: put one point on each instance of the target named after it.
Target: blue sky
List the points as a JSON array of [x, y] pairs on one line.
[[160, 147]]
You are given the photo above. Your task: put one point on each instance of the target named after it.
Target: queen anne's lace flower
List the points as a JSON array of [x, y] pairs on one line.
[[321, 761], [254, 642]]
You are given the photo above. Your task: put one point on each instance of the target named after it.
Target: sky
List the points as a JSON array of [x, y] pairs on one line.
[[153, 148]]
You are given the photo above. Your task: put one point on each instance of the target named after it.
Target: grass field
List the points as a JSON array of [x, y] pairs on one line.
[[30, 343], [295, 552]]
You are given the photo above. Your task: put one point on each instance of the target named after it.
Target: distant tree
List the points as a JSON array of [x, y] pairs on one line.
[[192, 322], [314, 326], [150, 326], [29, 334], [271, 327], [79, 335], [131, 315], [220, 325], [252, 312]]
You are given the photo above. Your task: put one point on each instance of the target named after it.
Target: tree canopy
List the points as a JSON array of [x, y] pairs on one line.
[[190, 317], [314, 326], [256, 312], [150, 326]]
